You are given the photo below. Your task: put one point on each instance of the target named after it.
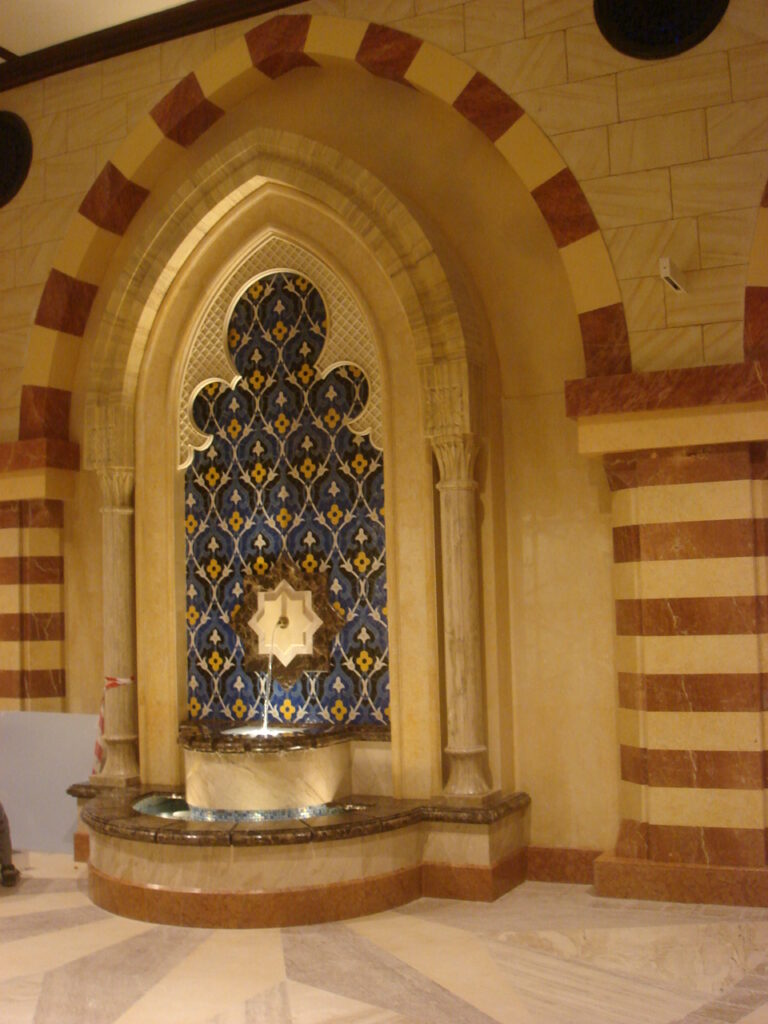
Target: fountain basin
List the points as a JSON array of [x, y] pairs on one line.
[[283, 772]]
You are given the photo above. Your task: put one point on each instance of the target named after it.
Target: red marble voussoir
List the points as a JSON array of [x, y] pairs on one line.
[[39, 513], [44, 412], [565, 208], [487, 106], [667, 389], [113, 200], [605, 341], [65, 304], [185, 113], [277, 45], [387, 52], [755, 322]]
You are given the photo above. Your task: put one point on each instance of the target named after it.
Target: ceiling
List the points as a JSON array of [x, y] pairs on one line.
[[30, 25]]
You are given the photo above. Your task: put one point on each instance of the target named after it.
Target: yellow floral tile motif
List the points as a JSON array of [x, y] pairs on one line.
[[282, 423], [362, 561], [287, 709], [283, 517], [359, 463], [284, 474], [194, 707], [306, 373]]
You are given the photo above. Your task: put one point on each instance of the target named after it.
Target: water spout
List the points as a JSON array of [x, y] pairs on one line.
[[282, 623]]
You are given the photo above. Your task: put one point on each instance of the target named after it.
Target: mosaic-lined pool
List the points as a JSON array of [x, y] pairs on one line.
[[284, 474]]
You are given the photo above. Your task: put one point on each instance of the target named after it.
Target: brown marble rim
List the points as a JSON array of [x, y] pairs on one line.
[[692, 616], [725, 691], [694, 769], [688, 844], [561, 864]]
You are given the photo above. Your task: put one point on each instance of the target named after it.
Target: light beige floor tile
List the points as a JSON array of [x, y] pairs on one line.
[[670, 86], [585, 152], [749, 71], [489, 22], [657, 141], [524, 63], [553, 15], [738, 127]]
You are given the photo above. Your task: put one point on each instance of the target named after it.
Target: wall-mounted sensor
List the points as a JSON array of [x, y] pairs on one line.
[[672, 275]]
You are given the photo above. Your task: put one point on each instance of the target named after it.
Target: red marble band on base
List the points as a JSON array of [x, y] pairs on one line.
[[691, 616], [31, 684], [723, 691], [307, 905], [561, 864], [631, 879]]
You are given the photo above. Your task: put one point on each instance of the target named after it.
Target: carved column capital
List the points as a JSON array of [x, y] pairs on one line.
[[116, 484], [456, 456]]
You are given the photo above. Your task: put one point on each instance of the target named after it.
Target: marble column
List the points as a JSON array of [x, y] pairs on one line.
[[120, 737], [465, 749]]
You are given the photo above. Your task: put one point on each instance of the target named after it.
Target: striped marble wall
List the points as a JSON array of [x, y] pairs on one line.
[[31, 605], [691, 602]]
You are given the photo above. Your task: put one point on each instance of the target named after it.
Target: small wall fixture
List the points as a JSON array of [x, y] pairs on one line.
[[672, 276]]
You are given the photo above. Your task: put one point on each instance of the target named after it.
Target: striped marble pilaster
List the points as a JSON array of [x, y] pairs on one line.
[[691, 604], [31, 605]]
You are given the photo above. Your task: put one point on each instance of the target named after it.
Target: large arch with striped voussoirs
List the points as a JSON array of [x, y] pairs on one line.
[[205, 97]]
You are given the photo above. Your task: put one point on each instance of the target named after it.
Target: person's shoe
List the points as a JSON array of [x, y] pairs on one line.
[[10, 875]]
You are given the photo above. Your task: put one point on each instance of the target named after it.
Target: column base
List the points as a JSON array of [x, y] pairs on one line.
[[634, 879], [466, 773]]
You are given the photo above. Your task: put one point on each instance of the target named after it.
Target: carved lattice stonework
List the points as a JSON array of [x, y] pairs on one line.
[[348, 339], [303, 598]]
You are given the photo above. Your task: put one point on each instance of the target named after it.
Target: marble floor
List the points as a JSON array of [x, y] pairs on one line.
[[544, 954]]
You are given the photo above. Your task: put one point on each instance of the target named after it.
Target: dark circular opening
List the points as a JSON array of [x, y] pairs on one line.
[[652, 29], [15, 154]]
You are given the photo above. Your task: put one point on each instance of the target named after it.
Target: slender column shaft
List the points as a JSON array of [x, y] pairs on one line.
[[120, 739], [466, 749]]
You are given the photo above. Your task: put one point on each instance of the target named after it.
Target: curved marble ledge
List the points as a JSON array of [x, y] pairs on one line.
[[212, 736], [112, 813]]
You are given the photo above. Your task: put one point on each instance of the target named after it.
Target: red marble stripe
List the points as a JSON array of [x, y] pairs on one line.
[[561, 864], [724, 691], [277, 45], [39, 453], [10, 514], [32, 569], [113, 200], [32, 684], [565, 208], [605, 340], [42, 513], [667, 389], [715, 538], [632, 840], [693, 769], [701, 464], [487, 107], [65, 304], [691, 616], [184, 113], [44, 412], [687, 844], [755, 322], [32, 626], [764, 199], [387, 52]]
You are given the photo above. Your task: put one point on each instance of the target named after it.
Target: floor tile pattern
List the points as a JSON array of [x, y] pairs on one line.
[[543, 954]]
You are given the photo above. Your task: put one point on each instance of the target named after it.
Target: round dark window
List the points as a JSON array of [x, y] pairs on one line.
[[15, 154], [652, 29]]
